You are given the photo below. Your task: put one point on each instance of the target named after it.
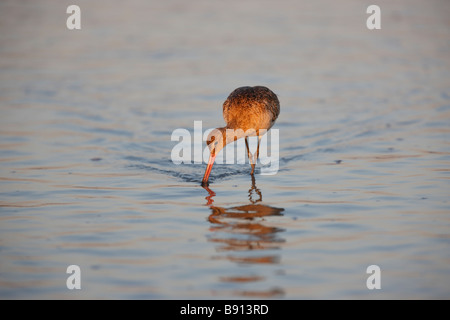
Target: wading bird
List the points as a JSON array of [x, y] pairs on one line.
[[248, 111]]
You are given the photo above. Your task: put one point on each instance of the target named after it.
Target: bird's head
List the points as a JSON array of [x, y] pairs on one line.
[[216, 141]]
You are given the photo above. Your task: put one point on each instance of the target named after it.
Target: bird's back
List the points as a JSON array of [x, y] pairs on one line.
[[251, 108]]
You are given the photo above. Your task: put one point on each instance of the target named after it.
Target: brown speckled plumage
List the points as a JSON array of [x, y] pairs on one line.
[[251, 108]]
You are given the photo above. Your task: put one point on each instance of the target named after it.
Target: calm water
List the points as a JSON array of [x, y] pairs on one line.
[[85, 141]]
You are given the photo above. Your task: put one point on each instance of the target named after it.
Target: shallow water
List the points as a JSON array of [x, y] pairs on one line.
[[86, 176]]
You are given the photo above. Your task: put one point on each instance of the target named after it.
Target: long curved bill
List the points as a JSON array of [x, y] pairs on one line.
[[208, 170]]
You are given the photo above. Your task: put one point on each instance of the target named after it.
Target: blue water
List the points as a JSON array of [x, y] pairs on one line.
[[86, 176]]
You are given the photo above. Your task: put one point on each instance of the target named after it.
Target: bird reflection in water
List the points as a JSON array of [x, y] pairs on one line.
[[244, 234]]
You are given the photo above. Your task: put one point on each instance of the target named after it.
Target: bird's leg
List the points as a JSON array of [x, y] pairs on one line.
[[255, 156], [257, 149], [250, 156]]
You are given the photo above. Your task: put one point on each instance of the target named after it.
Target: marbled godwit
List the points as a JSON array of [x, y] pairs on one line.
[[246, 111]]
